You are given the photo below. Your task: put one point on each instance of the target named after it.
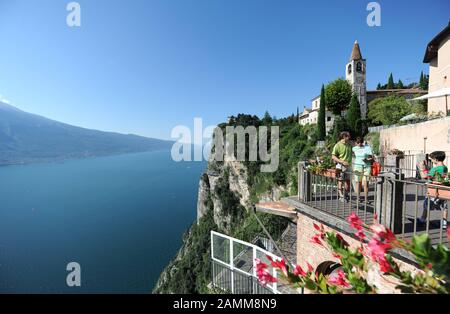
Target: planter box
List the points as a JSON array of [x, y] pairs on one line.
[[330, 173], [439, 190]]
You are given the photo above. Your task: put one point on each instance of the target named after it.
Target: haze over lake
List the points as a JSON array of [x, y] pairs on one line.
[[121, 218]]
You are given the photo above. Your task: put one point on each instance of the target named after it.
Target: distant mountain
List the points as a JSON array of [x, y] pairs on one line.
[[26, 138]]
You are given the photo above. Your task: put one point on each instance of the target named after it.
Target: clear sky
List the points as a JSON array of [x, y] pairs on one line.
[[145, 66]]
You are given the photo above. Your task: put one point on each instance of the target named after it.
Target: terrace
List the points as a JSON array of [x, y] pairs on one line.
[[395, 199]]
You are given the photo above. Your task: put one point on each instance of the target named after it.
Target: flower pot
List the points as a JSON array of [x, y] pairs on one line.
[[439, 191], [330, 173]]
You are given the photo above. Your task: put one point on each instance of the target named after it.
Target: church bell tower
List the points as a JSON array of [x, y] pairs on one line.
[[356, 76]]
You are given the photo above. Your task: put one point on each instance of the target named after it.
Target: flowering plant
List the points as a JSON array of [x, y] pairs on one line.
[[432, 261]]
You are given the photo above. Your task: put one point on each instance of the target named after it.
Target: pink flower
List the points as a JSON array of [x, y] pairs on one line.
[[378, 249], [336, 256], [360, 234], [320, 228], [316, 239], [340, 280], [298, 271], [383, 233], [263, 274], [278, 264], [355, 221], [385, 266], [310, 268]]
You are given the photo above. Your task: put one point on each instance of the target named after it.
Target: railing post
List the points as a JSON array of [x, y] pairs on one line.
[[391, 196], [232, 266], [304, 182]]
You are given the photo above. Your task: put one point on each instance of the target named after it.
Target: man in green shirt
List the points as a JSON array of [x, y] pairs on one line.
[[342, 156]]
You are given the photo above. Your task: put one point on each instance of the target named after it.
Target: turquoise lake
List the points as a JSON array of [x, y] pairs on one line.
[[121, 218]]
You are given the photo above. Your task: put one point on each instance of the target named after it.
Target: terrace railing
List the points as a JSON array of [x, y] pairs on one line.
[[392, 200]]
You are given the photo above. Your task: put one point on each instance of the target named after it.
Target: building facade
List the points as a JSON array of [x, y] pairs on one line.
[[437, 55]]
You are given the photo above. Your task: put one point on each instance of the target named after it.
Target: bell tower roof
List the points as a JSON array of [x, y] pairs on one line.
[[356, 52]]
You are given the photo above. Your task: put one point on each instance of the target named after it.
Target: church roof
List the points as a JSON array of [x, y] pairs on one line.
[[356, 52]]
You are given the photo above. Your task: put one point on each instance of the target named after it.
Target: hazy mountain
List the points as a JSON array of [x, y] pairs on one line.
[[26, 137]]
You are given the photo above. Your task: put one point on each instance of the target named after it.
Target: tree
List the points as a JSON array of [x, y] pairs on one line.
[[267, 120], [338, 94], [423, 83], [379, 86], [400, 84], [321, 127], [354, 116], [391, 84], [388, 110]]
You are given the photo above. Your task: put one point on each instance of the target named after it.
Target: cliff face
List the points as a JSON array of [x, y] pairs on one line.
[[227, 191], [231, 174]]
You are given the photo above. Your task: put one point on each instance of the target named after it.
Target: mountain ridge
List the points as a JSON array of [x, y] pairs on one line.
[[29, 138]]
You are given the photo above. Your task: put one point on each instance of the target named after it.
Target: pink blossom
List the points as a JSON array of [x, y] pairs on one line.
[[340, 280], [310, 268], [298, 271], [360, 234], [378, 248], [316, 239], [355, 221], [385, 266], [383, 233], [377, 251], [278, 264], [263, 274]]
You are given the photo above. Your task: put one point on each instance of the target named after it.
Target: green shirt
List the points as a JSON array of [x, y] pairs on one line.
[[343, 151], [361, 154], [438, 169]]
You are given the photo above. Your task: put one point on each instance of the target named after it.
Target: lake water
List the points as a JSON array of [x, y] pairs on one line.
[[121, 218]]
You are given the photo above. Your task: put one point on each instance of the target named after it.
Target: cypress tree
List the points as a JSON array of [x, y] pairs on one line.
[[390, 84], [421, 81], [354, 116], [379, 86], [322, 130], [400, 84]]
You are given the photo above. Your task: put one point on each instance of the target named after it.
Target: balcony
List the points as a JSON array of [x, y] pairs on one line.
[[394, 200]]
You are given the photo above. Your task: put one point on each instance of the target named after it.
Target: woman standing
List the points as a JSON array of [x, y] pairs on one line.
[[362, 167]]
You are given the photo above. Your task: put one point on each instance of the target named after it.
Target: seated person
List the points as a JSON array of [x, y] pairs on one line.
[[441, 169]]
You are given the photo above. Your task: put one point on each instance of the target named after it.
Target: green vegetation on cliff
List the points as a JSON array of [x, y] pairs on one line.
[[190, 271]]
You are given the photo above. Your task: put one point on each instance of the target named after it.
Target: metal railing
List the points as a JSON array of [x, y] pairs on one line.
[[234, 267], [407, 164], [394, 201]]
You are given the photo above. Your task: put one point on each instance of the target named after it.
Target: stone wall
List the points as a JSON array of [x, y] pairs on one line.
[[410, 138]]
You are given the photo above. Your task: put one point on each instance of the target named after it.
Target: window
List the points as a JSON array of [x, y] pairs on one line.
[[359, 67], [349, 69], [328, 119]]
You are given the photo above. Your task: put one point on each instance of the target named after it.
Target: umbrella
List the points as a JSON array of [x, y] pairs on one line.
[[443, 92]]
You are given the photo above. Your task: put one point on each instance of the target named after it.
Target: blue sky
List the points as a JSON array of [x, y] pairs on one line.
[[145, 66]]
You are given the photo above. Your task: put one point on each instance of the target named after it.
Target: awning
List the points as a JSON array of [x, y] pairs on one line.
[[439, 93]]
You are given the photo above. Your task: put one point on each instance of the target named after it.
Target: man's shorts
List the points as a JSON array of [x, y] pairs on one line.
[[361, 173], [343, 173]]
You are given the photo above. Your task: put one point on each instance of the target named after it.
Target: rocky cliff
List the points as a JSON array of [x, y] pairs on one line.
[[223, 202]]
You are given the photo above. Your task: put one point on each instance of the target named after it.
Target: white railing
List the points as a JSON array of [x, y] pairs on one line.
[[240, 257]]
